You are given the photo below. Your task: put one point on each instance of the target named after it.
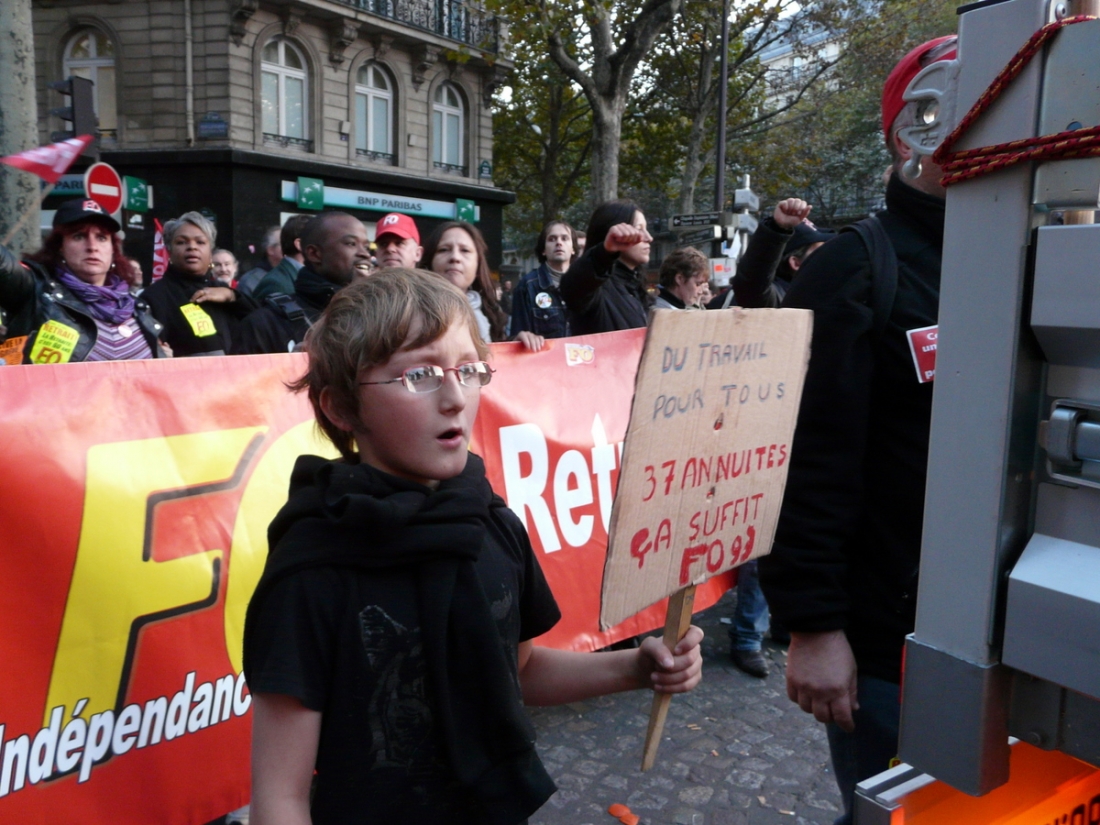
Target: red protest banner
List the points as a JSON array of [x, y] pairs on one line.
[[133, 531], [49, 162], [160, 252]]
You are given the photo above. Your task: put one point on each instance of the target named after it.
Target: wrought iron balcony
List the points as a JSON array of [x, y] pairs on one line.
[[380, 157], [448, 18], [452, 168], [285, 141]]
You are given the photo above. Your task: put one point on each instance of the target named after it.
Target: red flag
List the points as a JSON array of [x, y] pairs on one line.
[[160, 252], [50, 162]]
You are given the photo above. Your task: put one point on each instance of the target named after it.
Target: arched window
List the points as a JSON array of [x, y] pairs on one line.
[[284, 94], [448, 130], [374, 114], [91, 54]]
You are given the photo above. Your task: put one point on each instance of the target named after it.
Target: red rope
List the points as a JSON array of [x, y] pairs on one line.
[[972, 163]]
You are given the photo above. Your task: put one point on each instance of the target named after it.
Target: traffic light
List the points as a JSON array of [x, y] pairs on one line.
[[80, 113]]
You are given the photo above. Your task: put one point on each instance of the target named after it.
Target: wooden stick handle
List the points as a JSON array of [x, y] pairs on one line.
[[677, 622], [26, 215]]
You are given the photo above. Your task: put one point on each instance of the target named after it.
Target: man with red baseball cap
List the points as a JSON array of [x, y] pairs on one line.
[[398, 242], [842, 575]]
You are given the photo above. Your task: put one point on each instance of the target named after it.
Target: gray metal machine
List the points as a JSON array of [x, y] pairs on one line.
[[1007, 639]]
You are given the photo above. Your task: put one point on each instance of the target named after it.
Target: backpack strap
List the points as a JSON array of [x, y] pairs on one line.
[[286, 307], [884, 268]]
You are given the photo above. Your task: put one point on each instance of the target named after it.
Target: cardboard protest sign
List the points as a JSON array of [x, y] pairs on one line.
[[705, 460]]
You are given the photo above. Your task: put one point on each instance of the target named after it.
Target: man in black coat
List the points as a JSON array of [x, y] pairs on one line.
[[842, 575], [336, 249]]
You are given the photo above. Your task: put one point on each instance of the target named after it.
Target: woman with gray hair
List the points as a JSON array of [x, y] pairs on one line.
[[199, 314]]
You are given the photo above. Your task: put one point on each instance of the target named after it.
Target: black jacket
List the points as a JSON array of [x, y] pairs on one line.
[[754, 284], [602, 294], [847, 549], [545, 317], [281, 324], [172, 292], [31, 296]]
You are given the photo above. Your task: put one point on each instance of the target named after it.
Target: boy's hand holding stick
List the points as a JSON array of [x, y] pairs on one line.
[[677, 623]]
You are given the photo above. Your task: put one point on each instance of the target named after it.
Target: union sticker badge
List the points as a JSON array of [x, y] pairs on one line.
[[922, 344], [201, 323], [54, 343], [579, 354], [543, 300]]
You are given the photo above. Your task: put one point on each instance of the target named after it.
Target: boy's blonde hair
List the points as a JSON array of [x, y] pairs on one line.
[[365, 324]]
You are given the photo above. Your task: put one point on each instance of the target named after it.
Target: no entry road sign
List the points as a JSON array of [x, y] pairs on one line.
[[103, 185]]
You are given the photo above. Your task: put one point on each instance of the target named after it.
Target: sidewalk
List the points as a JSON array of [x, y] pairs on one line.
[[735, 752]]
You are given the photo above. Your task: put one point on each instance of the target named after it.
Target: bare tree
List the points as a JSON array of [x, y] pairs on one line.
[[599, 46], [680, 79]]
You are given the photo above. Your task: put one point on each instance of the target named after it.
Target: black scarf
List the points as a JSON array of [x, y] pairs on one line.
[[356, 516], [313, 291]]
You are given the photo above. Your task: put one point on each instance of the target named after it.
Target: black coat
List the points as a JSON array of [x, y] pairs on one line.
[[602, 294], [754, 284], [171, 293], [281, 325], [31, 296], [847, 548]]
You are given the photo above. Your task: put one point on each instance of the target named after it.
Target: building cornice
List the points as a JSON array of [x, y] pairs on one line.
[[304, 166]]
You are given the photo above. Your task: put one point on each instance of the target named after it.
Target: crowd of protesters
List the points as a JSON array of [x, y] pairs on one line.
[[843, 572]]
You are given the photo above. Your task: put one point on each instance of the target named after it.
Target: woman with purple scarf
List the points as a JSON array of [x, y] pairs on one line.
[[71, 300]]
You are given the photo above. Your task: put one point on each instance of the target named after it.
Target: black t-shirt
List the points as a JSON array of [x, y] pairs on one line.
[[347, 643]]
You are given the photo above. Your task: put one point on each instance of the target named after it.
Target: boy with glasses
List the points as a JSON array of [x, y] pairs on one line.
[[388, 644]]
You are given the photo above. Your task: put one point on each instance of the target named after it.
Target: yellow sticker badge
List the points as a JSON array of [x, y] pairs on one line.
[[201, 323], [54, 343]]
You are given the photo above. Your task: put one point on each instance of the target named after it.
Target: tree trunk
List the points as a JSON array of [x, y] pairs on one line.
[[606, 81], [607, 120], [19, 191]]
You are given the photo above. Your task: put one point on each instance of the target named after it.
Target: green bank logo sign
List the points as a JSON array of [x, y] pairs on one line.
[[375, 201]]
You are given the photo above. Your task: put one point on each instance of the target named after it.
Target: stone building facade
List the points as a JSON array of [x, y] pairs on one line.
[[223, 105]]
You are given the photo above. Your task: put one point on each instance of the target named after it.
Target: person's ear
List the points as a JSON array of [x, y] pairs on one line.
[[298, 245], [903, 149], [794, 262], [419, 253], [333, 414]]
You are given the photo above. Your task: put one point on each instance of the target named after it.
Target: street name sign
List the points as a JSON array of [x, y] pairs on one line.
[[701, 219]]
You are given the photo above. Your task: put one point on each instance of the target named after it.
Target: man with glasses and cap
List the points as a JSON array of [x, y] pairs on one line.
[[842, 575]]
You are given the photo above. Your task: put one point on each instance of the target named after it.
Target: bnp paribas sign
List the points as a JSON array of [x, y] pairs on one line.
[[311, 194]]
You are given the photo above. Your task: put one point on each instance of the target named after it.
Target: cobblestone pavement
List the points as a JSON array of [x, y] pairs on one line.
[[735, 751]]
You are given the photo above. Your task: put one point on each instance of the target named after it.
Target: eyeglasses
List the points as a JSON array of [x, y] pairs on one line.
[[475, 374]]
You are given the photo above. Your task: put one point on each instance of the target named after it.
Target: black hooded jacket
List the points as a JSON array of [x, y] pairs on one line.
[[847, 548], [396, 611], [602, 294]]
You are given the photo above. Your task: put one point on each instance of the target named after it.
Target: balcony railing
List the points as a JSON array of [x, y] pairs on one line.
[[452, 168], [285, 141], [448, 18], [380, 157]]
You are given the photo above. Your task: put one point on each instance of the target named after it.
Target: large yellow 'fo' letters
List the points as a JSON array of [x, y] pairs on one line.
[[114, 588], [265, 494]]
